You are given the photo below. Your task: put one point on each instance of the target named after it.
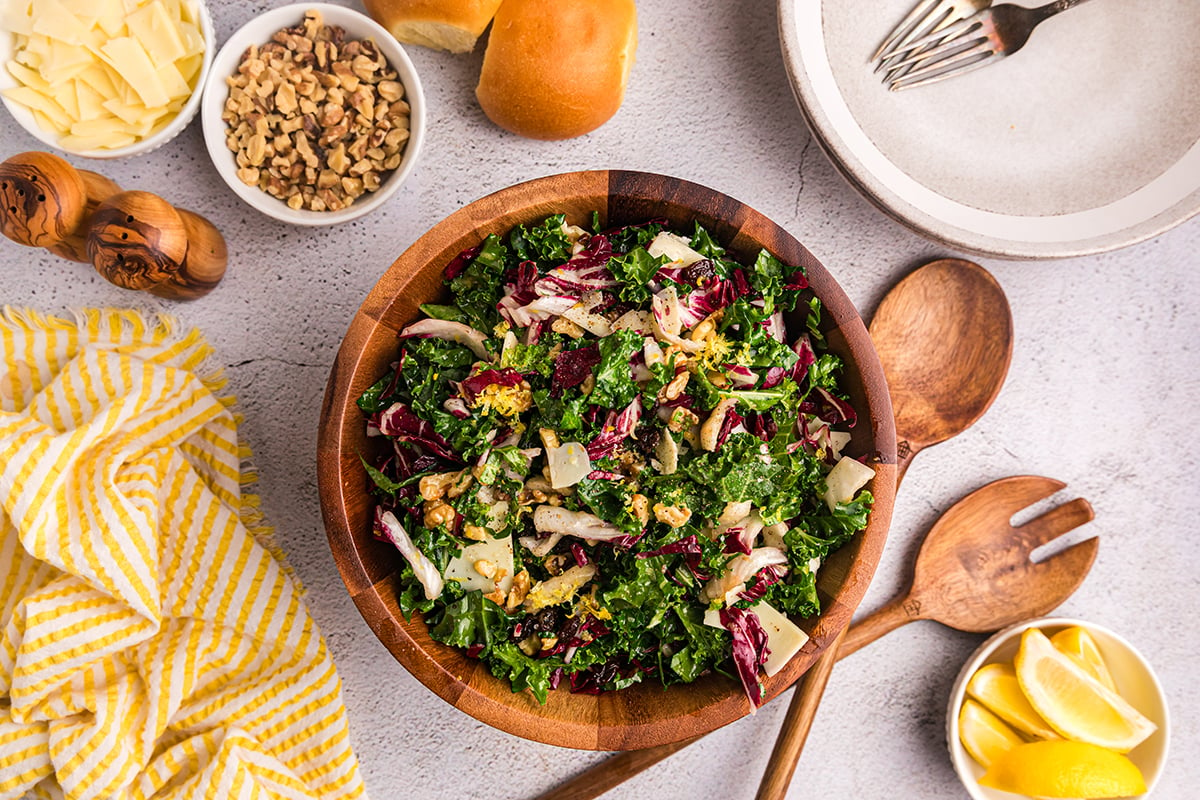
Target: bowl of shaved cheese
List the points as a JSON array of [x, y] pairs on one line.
[[104, 78]]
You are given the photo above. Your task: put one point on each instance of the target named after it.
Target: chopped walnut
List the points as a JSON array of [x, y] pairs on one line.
[[674, 516], [432, 487], [516, 595], [438, 513], [555, 563], [641, 508], [567, 328], [307, 106], [676, 386]]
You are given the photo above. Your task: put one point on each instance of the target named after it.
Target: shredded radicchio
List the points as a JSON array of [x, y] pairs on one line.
[[615, 429], [761, 424], [474, 386], [750, 649], [731, 421], [766, 578], [399, 422], [689, 547], [805, 358], [829, 408], [461, 262], [798, 280]]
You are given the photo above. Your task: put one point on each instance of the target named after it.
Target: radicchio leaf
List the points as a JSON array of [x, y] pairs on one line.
[[474, 386], [735, 542], [401, 423], [409, 462], [456, 407], [537, 310], [829, 408], [773, 377], [689, 547], [615, 429], [740, 376], [761, 424], [461, 262], [806, 357], [387, 525], [798, 280], [586, 270], [452, 332], [731, 421], [766, 578], [750, 649], [521, 281]]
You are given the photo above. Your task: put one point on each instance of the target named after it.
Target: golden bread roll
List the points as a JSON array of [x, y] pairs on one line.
[[452, 25], [554, 69]]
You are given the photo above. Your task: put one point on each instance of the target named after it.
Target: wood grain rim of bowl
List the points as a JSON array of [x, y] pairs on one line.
[[646, 714]]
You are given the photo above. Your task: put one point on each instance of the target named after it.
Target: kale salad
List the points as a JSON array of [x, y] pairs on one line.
[[610, 461]]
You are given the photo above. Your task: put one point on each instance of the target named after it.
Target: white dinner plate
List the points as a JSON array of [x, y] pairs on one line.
[[1086, 140]]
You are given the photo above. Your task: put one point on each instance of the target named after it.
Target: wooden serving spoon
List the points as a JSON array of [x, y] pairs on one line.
[[946, 327], [944, 335]]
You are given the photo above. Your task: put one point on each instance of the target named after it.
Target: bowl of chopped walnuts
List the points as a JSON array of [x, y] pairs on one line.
[[313, 114]]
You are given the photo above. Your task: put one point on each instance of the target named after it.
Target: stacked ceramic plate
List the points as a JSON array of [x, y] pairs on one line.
[[1085, 141]]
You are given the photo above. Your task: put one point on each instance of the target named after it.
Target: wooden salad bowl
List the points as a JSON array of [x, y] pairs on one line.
[[645, 714]]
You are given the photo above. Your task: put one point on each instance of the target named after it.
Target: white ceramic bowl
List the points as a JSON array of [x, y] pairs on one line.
[[1135, 680], [141, 146], [259, 31]]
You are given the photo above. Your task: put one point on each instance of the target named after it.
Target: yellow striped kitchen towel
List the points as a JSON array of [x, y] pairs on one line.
[[152, 643]]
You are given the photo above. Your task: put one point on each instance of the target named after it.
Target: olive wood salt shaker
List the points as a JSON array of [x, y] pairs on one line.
[[136, 240], [47, 203]]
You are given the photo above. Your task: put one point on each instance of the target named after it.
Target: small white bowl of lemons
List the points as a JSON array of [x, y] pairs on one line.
[[1057, 707]]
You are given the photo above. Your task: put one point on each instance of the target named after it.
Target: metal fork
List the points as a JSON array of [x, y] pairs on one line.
[[974, 42], [926, 17]]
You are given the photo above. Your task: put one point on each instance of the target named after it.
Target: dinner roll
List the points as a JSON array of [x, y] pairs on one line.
[[554, 69], [452, 25]]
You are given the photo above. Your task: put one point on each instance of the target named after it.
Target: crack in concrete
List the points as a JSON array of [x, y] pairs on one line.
[[800, 169], [284, 361]]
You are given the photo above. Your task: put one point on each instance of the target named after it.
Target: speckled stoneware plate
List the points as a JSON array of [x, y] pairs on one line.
[[1085, 141]]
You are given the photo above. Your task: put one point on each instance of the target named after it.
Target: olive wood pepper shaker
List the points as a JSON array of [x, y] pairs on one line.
[[136, 240], [140, 241]]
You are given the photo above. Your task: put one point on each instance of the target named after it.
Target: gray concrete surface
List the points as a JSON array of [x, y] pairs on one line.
[[1102, 393]]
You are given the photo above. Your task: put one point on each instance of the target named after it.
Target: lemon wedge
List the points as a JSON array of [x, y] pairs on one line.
[[996, 687], [1064, 769], [1079, 644], [1074, 703], [984, 734]]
